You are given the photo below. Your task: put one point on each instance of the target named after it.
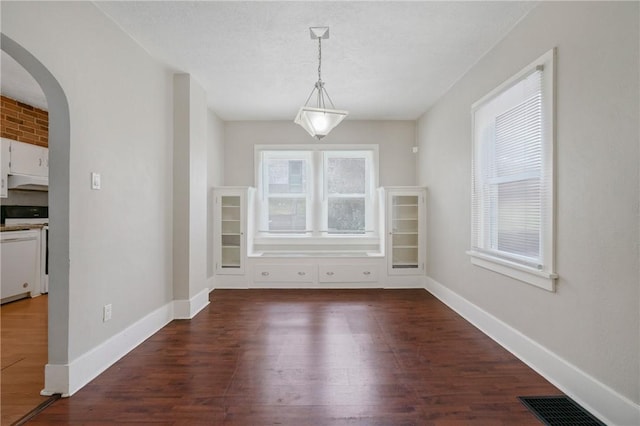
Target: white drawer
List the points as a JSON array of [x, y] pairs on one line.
[[347, 273], [284, 273]]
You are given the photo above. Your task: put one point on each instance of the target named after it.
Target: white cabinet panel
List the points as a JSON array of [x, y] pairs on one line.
[[4, 157], [302, 273], [28, 159], [347, 273]]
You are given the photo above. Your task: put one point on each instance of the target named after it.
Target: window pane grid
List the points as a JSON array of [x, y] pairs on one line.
[[345, 175], [346, 215], [287, 214], [345, 183], [285, 176]]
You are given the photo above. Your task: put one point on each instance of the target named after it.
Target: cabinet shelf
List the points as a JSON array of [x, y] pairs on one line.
[[405, 265], [406, 225], [230, 214]]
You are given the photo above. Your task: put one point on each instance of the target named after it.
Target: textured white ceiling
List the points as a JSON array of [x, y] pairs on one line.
[[17, 83], [383, 60]]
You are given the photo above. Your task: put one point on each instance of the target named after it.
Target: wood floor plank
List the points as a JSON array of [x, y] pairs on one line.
[[23, 330], [311, 357]]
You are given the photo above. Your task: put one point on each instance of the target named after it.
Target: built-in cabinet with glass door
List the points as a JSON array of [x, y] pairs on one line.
[[229, 229], [406, 223]]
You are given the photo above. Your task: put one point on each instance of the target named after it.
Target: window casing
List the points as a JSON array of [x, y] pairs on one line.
[[512, 229], [316, 194]]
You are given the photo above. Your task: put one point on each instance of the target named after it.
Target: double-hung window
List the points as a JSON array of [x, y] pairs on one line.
[[316, 195], [347, 192], [512, 177], [287, 192]]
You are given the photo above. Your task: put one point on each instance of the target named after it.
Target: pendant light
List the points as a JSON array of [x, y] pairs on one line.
[[318, 120]]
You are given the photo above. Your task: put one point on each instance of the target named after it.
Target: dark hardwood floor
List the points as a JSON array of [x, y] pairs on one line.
[[311, 357]]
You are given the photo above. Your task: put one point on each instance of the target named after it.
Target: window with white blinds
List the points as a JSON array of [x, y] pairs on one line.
[[512, 177]]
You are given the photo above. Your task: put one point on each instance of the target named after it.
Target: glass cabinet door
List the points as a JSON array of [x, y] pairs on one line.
[[405, 246], [404, 232], [231, 232], [230, 222]]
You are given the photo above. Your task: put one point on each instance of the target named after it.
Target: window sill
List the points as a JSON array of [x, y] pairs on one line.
[[312, 246], [312, 254], [541, 279], [277, 240]]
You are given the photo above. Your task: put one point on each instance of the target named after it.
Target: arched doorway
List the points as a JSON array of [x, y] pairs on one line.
[[59, 134]]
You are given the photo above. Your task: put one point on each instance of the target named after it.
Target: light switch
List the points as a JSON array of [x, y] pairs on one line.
[[95, 180], [106, 313]]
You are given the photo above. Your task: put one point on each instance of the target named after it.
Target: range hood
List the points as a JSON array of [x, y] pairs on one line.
[[29, 183]]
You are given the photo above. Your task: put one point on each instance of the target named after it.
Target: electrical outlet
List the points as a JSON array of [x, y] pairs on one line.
[[106, 313]]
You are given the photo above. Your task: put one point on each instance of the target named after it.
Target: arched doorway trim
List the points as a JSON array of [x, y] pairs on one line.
[[56, 371]]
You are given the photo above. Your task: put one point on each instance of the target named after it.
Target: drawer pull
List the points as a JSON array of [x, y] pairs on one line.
[[302, 273], [265, 274], [25, 285], [329, 273], [367, 273]]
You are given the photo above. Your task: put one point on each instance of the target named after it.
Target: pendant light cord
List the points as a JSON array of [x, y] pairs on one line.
[[319, 57], [319, 86]]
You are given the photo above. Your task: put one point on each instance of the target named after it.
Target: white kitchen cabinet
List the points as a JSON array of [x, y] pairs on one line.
[[230, 223], [4, 170], [28, 159], [406, 233], [20, 253]]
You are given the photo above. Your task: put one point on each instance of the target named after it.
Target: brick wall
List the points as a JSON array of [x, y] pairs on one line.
[[24, 123]]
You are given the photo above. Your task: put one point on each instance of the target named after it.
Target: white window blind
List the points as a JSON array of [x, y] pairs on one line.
[[512, 172]]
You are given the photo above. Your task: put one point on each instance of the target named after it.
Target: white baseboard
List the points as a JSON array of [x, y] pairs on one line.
[[56, 380], [599, 399], [187, 309], [67, 379], [211, 283]]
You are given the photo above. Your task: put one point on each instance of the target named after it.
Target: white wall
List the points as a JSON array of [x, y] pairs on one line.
[[395, 140], [189, 188], [215, 177], [592, 321], [121, 126]]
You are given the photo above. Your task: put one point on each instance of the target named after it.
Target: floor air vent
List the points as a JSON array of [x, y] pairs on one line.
[[559, 410]]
